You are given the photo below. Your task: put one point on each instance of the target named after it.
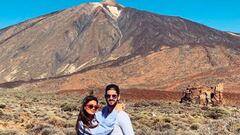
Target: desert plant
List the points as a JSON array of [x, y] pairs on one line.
[[1, 113], [48, 131], [238, 130], [141, 104], [8, 132], [39, 128], [167, 119], [195, 126], [2, 106], [56, 121], [69, 107], [216, 113], [167, 126], [69, 131]]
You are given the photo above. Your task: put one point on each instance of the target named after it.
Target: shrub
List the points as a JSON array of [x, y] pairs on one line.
[[69, 131], [69, 107], [154, 103], [56, 121], [144, 131], [39, 128], [195, 126], [48, 131], [30, 126], [167, 120], [35, 99], [141, 104], [1, 113], [217, 113], [167, 126], [238, 130], [2, 106], [186, 133], [8, 132], [70, 124]]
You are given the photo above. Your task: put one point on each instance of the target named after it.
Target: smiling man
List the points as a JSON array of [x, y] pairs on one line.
[[123, 125]]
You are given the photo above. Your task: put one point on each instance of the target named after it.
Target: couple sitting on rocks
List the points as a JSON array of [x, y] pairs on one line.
[[111, 120]]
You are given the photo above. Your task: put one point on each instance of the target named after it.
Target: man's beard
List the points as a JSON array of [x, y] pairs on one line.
[[113, 105]]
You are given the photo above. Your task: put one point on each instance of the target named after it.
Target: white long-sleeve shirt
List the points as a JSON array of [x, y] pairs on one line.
[[122, 126]]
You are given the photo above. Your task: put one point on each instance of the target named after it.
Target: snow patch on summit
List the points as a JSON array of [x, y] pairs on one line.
[[113, 9]]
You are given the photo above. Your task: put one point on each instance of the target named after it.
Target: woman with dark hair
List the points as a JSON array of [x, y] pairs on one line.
[[87, 123]]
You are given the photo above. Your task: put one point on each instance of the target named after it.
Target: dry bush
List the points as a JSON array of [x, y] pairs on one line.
[[186, 133], [195, 126], [56, 121], [70, 123], [69, 131], [217, 113], [51, 131], [1, 113], [40, 114], [167, 120], [9, 132], [38, 128], [2, 106], [69, 107], [234, 126]]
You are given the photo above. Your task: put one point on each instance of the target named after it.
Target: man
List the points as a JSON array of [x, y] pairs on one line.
[[123, 125]]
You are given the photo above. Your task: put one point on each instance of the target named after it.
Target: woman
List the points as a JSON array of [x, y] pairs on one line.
[[87, 123]]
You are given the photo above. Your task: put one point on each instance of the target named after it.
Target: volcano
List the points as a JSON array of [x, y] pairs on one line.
[[94, 44]]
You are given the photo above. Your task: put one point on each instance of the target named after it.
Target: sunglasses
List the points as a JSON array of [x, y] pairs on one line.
[[92, 106], [109, 96]]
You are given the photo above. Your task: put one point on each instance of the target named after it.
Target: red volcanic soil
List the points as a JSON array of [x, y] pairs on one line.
[[142, 94]]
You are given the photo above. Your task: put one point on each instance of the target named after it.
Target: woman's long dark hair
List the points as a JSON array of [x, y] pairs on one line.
[[83, 115]]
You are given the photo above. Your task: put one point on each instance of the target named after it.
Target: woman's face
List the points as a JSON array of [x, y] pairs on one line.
[[91, 107]]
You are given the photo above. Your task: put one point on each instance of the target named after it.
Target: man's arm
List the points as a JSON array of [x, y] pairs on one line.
[[105, 125], [125, 123]]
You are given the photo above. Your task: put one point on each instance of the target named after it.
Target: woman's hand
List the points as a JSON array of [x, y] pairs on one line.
[[120, 107]]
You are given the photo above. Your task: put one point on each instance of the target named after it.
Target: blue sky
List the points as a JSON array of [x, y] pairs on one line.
[[220, 14]]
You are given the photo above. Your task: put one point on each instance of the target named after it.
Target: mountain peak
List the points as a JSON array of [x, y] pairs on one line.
[[109, 2], [111, 7]]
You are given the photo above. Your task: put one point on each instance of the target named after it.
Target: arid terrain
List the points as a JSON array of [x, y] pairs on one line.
[[32, 113]]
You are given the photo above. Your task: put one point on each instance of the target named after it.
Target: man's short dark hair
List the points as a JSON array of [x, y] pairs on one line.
[[112, 87]]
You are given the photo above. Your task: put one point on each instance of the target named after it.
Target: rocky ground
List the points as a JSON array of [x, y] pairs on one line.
[[23, 112]]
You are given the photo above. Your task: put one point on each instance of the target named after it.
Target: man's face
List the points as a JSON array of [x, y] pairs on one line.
[[112, 97]]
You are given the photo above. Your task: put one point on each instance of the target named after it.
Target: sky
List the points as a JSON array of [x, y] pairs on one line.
[[219, 14]]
